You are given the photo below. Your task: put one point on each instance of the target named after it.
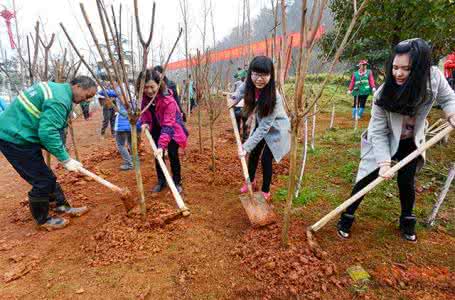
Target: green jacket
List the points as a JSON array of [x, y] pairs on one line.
[[37, 115]]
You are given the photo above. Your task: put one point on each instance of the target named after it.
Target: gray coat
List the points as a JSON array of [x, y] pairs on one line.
[[274, 129], [381, 140]]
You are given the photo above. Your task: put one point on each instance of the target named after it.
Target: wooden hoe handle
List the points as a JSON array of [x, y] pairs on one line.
[[97, 178], [178, 198], [239, 147], [318, 225]]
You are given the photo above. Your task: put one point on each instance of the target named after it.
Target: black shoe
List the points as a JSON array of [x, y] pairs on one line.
[[158, 187], [407, 228], [344, 225], [179, 188]]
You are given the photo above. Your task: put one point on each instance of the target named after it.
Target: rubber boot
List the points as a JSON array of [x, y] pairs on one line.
[[344, 225], [39, 207], [361, 110], [354, 112], [407, 228], [62, 206]]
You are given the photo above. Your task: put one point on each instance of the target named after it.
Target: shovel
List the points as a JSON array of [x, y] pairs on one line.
[[125, 194], [319, 224], [256, 207], [170, 183]]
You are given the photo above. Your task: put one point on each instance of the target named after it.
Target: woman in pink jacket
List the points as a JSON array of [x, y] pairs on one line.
[[164, 120]]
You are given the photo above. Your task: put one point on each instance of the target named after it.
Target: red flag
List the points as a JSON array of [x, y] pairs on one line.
[[8, 15]]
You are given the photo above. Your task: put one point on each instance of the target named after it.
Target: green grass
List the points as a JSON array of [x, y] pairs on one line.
[[306, 196]]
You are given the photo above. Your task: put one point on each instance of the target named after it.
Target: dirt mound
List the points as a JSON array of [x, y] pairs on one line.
[[123, 239], [435, 281], [287, 272]]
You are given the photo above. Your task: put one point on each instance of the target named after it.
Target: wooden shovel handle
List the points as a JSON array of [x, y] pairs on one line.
[[239, 146], [318, 225], [170, 182], [100, 180]]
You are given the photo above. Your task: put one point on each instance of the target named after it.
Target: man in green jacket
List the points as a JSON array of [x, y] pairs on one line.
[[33, 122]]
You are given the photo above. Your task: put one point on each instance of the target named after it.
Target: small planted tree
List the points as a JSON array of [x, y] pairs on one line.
[[302, 105]]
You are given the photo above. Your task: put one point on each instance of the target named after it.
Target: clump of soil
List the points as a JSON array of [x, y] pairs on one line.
[[429, 280], [287, 272], [123, 239]]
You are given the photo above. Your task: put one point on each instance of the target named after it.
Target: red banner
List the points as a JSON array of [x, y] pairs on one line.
[[257, 48]]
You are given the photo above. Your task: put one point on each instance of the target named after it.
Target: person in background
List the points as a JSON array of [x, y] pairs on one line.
[[172, 86], [397, 128], [108, 112], [85, 107], [240, 115], [361, 86]]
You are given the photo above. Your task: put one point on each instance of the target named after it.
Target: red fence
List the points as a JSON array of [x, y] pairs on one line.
[[257, 48]]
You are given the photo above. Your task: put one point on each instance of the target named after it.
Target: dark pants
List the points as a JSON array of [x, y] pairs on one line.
[[362, 100], [266, 160], [241, 122], [28, 161], [406, 180], [108, 118], [85, 111], [173, 153]]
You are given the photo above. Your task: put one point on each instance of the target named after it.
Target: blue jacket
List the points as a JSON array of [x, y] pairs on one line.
[[3, 105], [122, 123]]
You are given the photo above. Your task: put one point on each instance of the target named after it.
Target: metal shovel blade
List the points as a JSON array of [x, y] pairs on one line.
[[258, 210]]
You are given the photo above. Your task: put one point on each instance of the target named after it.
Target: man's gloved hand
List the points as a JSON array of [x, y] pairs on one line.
[[72, 165]]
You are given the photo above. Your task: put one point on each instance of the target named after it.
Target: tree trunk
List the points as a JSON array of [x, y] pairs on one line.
[[137, 167], [304, 155], [212, 143], [199, 124], [332, 116], [313, 129], [292, 181]]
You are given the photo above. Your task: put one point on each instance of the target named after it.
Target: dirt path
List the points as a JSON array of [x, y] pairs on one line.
[[213, 254]]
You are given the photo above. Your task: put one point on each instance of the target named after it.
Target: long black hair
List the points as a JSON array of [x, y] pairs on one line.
[[150, 75], [405, 99], [267, 97]]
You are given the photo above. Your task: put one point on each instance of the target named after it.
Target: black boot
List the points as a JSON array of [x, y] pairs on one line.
[[407, 228], [57, 198], [39, 207], [344, 225], [159, 187]]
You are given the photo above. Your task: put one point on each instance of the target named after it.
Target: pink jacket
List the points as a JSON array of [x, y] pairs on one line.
[[169, 118]]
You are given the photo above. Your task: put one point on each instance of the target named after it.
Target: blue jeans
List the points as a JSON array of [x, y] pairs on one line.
[[121, 138]]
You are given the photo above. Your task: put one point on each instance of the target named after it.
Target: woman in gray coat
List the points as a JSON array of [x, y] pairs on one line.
[[270, 129], [396, 127]]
